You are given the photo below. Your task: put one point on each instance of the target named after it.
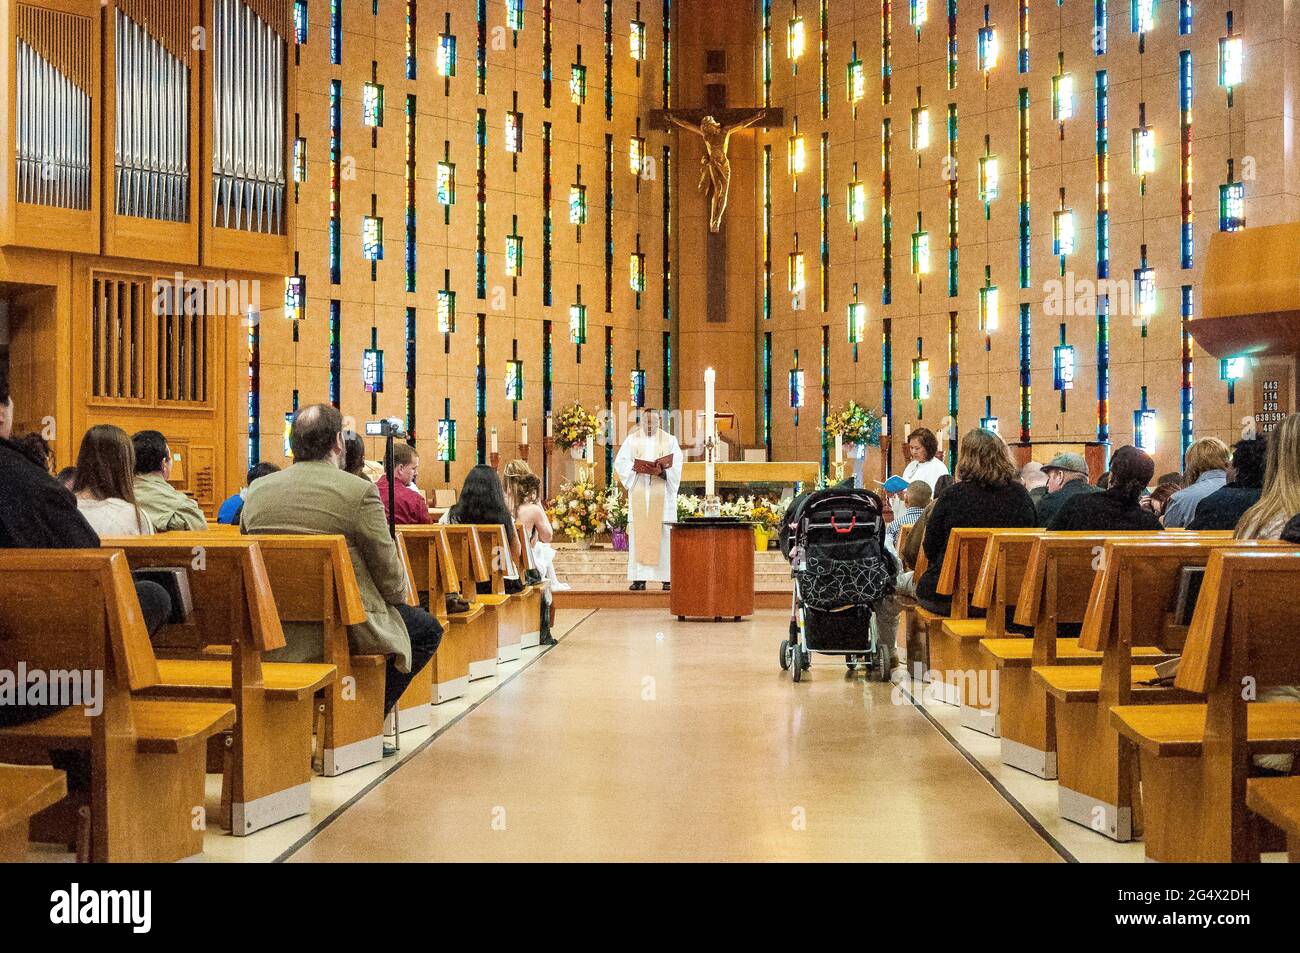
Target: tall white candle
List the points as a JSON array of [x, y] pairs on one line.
[[547, 432], [523, 432], [710, 433], [907, 432], [590, 454], [494, 439], [839, 448], [884, 426]]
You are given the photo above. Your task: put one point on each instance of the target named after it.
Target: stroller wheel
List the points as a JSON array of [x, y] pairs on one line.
[[884, 658], [785, 655], [807, 660], [797, 669]]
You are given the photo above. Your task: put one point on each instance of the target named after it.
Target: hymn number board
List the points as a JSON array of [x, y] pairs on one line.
[[1272, 398]]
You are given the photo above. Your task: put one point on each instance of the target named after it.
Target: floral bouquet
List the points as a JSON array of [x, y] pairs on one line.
[[854, 424], [765, 515], [616, 509], [575, 425], [578, 510]]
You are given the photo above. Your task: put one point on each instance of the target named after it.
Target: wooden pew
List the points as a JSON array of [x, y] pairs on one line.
[[495, 543], [997, 587], [961, 561], [1056, 588], [531, 597], [1130, 607], [433, 572], [912, 640], [1277, 800], [314, 582], [25, 790], [415, 704], [472, 568], [1195, 759], [76, 610], [267, 770]]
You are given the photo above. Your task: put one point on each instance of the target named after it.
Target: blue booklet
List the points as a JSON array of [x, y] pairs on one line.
[[895, 484]]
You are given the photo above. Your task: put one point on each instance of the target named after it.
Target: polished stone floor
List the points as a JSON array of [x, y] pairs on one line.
[[643, 738]]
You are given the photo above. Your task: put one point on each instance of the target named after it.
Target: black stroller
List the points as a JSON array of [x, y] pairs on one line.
[[835, 541]]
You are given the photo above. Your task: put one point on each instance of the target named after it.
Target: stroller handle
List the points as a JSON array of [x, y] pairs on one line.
[[847, 529]]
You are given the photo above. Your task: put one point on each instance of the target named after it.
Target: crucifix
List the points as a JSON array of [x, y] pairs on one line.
[[715, 127]]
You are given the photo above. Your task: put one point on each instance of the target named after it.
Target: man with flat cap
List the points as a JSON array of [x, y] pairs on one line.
[[1067, 477]]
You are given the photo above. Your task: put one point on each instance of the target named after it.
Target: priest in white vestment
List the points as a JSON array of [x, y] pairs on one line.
[[651, 498]]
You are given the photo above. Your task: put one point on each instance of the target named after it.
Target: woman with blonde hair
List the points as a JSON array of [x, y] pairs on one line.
[[1207, 471], [988, 492], [523, 490], [1281, 497], [1266, 520]]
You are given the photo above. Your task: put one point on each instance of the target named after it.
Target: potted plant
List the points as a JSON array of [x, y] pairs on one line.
[[616, 519], [578, 511], [575, 424], [765, 519]]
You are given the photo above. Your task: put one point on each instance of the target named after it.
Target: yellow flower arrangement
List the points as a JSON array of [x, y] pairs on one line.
[[575, 424]]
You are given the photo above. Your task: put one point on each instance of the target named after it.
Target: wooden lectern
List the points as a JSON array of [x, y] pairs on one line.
[[712, 569]]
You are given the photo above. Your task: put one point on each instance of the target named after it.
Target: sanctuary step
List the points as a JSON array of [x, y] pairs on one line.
[[604, 569]]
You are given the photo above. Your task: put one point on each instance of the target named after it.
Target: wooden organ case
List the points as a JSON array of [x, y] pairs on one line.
[[146, 217]]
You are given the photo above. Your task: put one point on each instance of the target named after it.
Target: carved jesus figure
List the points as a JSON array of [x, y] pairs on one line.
[[715, 179]]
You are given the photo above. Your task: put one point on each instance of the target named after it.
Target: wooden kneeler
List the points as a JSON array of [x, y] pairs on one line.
[[1195, 759], [313, 581], [147, 757], [268, 758]]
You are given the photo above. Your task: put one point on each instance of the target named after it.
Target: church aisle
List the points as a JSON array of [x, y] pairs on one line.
[[642, 738]]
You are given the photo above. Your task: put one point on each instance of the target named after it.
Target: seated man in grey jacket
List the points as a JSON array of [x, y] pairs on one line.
[[316, 496]]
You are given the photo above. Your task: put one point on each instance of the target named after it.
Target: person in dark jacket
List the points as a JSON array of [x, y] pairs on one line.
[[38, 512], [1119, 506], [987, 493], [1067, 477], [1226, 505]]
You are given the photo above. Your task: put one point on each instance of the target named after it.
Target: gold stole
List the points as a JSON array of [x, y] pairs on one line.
[[647, 505]]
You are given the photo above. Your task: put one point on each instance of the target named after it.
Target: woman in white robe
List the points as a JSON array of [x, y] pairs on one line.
[[651, 500]]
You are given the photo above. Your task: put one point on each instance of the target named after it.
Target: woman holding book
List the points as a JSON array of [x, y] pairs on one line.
[[649, 465], [922, 451]]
